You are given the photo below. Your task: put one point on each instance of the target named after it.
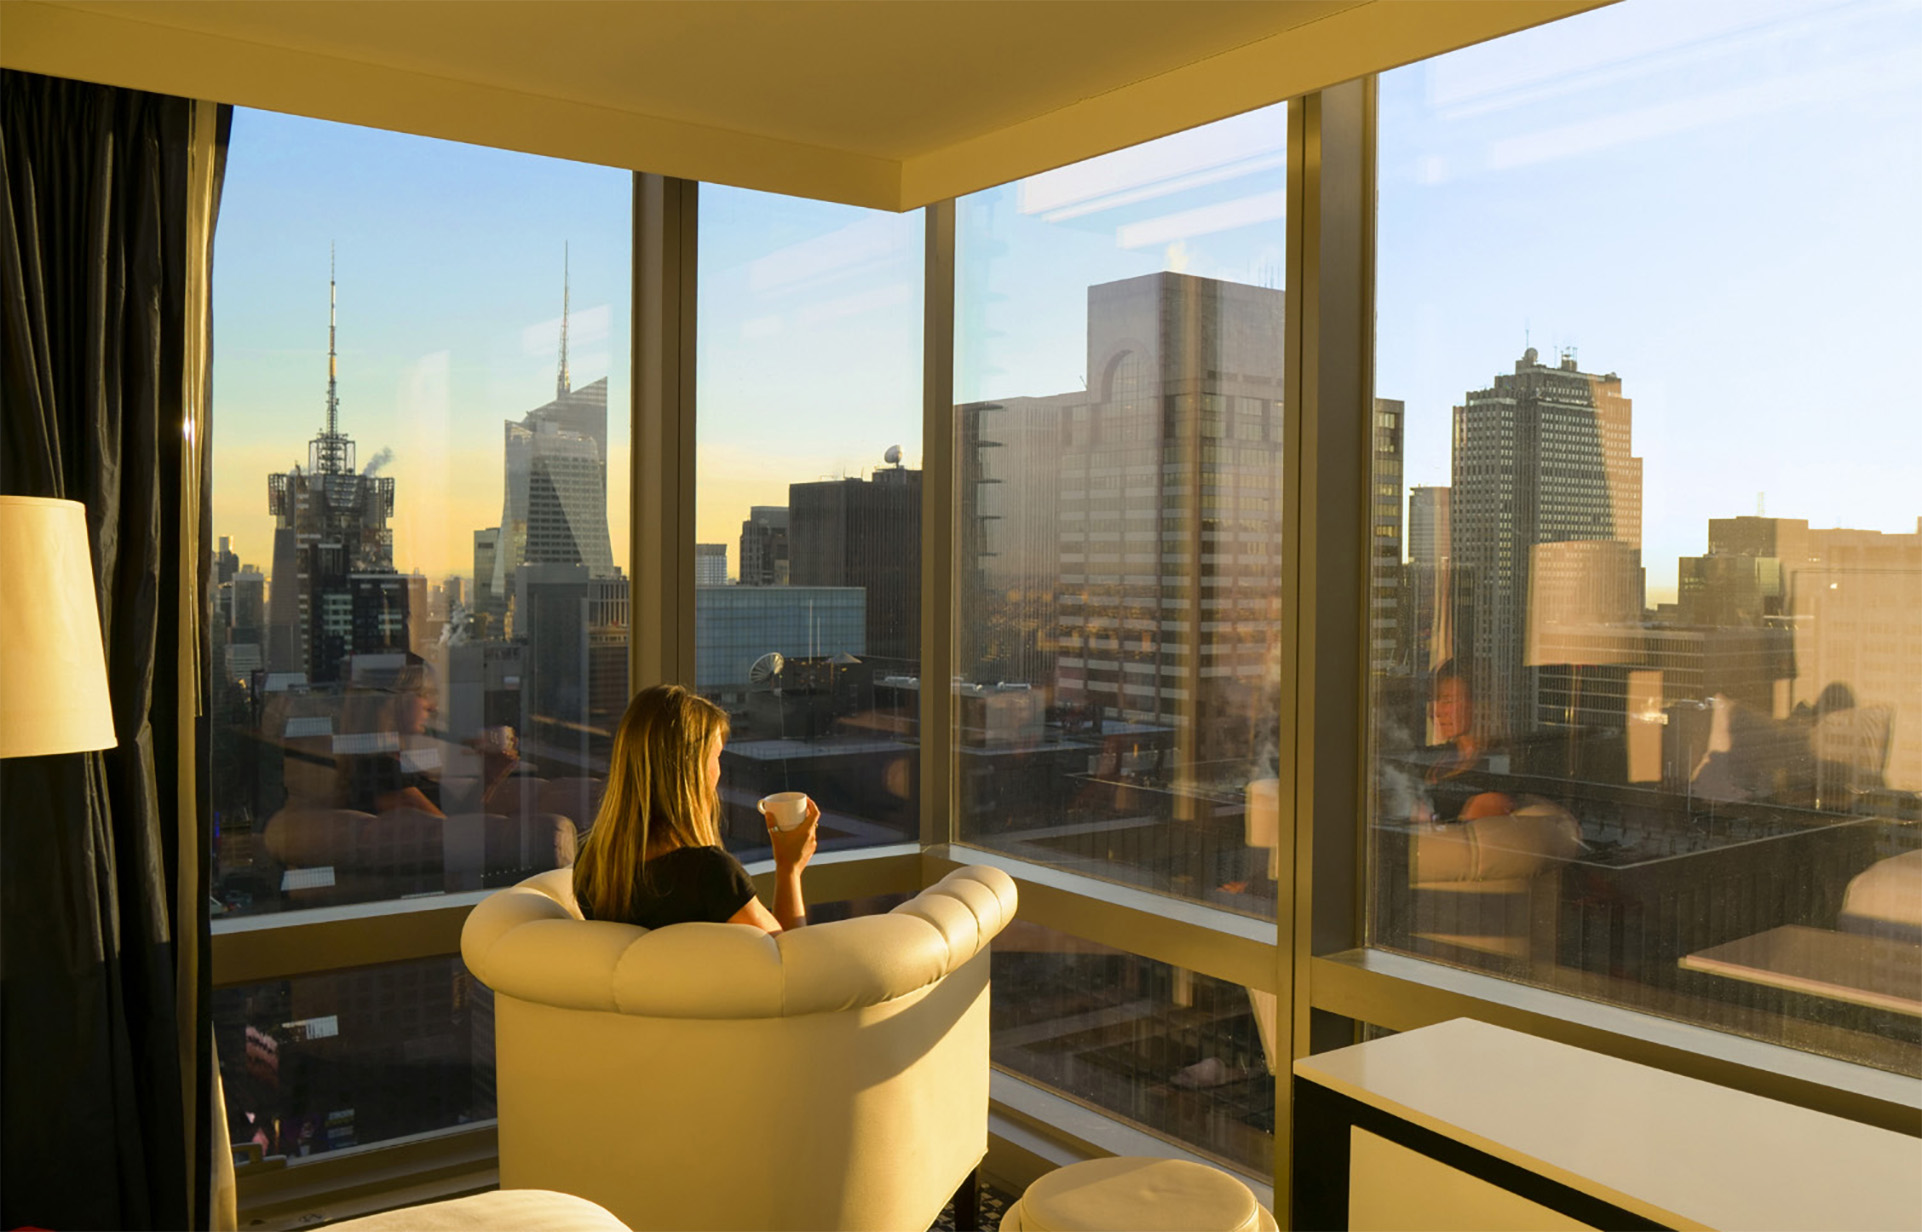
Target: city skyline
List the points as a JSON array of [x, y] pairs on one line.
[[386, 459], [1639, 538], [1509, 174], [455, 325], [450, 272]]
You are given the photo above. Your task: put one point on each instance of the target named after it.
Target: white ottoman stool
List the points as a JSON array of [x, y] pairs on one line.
[[523, 1210], [1132, 1193]]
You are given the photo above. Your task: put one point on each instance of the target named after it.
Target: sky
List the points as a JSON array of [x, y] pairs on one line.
[[1713, 200], [1716, 201], [449, 262], [808, 337], [810, 316]]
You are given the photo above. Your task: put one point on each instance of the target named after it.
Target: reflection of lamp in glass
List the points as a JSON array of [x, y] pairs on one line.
[[1646, 721], [1262, 821], [53, 674], [1584, 610]]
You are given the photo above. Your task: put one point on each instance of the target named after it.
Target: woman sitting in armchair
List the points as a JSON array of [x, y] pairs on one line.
[[387, 764], [654, 856], [1451, 763]]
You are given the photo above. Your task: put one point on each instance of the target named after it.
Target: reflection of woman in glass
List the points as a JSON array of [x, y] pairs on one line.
[[1456, 754], [654, 856], [394, 766], [390, 772]]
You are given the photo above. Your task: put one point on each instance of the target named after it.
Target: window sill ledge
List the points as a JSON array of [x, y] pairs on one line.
[[1237, 948], [1401, 993]]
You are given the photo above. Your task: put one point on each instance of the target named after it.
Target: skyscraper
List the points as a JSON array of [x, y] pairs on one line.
[[738, 625], [1427, 525], [1845, 601], [240, 614], [226, 563], [573, 627], [1169, 514], [555, 506], [1008, 552], [333, 552], [1384, 567], [710, 564], [1541, 456], [1430, 594], [866, 533], [764, 553], [483, 606]]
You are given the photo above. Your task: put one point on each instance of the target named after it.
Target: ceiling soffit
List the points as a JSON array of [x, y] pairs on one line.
[[884, 105]]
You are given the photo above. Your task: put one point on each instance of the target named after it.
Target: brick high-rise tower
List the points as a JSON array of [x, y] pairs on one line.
[[1540, 456]]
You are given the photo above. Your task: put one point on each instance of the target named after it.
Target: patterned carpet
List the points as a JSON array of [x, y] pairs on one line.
[[993, 1204]]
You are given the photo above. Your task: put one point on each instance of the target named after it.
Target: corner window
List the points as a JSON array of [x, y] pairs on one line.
[[1644, 737]]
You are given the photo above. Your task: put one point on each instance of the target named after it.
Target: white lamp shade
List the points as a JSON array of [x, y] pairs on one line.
[[1584, 604], [1262, 821], [53, 673]]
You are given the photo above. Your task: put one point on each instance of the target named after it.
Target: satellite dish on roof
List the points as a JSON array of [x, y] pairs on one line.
[[765, 668], [893, 456]]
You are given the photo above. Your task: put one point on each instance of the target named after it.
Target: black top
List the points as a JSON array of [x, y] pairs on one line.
[[1449, 780], [685, 885], [366, 777]]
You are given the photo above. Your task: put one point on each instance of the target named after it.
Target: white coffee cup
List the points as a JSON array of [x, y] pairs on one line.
[[786, 809]]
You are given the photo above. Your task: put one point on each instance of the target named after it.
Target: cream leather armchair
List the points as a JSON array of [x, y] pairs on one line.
[[713, 1076]]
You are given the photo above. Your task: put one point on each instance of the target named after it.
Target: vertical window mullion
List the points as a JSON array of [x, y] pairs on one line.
[[937, 529], [1325, 612], [661, 462]]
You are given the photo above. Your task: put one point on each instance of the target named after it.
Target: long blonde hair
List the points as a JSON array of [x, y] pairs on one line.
[[657, 795]]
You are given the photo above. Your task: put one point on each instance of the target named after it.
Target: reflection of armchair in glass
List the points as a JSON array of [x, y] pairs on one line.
[[335, 855], [1850, 745], [1487, 884], [328, 852], [523, 795], [1885, 900]]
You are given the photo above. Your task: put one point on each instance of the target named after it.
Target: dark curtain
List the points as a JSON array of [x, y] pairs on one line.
[[105, 1067]]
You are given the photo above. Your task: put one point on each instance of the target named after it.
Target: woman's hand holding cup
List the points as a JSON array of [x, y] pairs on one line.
[[792, 824]]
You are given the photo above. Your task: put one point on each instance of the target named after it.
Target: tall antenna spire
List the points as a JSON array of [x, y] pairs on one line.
[[563, 383], [333, 362], [330, 453]]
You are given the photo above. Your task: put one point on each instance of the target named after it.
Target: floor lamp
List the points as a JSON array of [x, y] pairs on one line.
[[53, 672], [1584, 610]]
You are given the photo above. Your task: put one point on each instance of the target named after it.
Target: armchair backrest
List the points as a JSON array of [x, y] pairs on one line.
[[711, 1075], [529, 941]]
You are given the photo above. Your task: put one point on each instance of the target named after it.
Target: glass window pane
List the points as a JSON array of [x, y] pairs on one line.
[[1118, 369], [807, 622], [349, 1058], [420, 497], [1183, 1055], [1648, 681]]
